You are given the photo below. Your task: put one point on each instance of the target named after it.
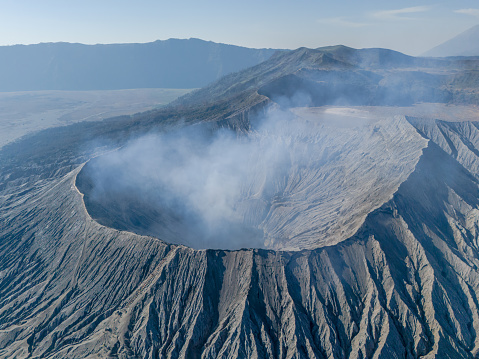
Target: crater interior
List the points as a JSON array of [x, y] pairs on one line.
[[300, 179]]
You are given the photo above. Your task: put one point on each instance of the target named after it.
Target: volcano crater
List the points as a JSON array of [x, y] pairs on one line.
[[298, 180]]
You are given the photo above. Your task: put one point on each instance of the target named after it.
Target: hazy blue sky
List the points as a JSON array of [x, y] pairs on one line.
[[408, 26]]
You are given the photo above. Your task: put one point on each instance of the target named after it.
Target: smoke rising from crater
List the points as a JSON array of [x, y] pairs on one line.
[[190, 185], [293, 179]]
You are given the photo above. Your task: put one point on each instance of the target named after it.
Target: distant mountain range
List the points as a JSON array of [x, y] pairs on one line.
[[172, 63], [464, 44]]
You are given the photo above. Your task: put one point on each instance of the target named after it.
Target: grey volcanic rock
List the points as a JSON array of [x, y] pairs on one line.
[[401, 281]]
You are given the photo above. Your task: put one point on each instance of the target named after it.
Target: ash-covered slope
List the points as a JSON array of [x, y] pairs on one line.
[[336, 75], [402, 282], [405, 285]]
